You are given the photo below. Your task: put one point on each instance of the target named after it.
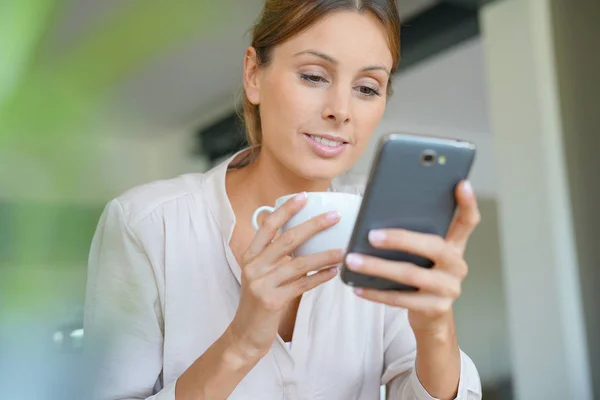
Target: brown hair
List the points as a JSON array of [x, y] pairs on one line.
[[282, 19]]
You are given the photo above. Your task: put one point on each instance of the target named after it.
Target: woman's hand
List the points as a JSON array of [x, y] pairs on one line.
[[271, 279], [430, 308]]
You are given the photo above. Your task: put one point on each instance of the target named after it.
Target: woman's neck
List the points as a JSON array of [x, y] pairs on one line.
[[265, 180]]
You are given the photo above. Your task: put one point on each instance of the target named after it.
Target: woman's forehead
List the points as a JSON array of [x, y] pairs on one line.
[[345, 36]]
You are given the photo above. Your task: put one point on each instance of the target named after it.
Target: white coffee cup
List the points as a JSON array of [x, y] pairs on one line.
[[335, 237]]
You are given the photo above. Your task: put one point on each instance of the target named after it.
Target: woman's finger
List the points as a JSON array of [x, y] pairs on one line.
[[433, 281], [289, 240], [432, 247], [421, 244], [273, 223], [425, 303], [300, 266], [466, 220], [299, 286]]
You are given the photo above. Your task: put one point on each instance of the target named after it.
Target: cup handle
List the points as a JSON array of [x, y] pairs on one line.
[[259, 211]]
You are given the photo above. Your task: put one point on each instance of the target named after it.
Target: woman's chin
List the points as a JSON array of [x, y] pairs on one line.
[[311, 167], [321, 171]]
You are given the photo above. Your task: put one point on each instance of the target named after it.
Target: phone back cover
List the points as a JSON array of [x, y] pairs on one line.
[[404, 193]]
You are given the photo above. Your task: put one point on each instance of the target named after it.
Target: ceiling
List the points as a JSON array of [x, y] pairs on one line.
[[177, 87]]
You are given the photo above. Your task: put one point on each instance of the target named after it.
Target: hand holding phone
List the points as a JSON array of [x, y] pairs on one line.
[[411, 196]]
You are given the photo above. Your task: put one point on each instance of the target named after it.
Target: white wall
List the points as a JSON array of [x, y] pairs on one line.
[[480, 312], [549, 355], [110, 157], [578, 64]]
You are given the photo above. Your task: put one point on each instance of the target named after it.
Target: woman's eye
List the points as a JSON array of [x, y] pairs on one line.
[[368, 91], [313, 78]]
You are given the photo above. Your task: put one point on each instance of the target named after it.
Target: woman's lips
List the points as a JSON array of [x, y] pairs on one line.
[[324, 147]]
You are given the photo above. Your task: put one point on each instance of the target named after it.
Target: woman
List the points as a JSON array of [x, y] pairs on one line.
[[186, 302]]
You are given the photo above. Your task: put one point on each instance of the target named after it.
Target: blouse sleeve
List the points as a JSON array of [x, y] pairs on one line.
[[123, 321]]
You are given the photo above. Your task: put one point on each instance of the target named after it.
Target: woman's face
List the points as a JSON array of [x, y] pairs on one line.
[[322, 94]]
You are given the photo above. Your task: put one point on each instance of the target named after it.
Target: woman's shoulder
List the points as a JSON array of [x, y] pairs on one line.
[[144, 199]]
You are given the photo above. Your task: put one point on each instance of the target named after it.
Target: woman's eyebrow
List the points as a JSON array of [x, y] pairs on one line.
[[319, 54], [332, 60]]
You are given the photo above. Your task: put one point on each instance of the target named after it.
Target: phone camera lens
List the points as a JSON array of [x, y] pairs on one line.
[[428, 158]]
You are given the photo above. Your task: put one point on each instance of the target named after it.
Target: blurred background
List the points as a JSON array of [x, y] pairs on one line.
[[100, 96]]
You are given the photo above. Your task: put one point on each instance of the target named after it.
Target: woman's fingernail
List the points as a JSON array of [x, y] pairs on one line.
[[376, 236], [359, 291], [332, 216], [333, 270], [468, 188], [354, 261], [300, 197]]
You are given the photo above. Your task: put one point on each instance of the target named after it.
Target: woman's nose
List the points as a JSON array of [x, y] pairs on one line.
[[337, 108]]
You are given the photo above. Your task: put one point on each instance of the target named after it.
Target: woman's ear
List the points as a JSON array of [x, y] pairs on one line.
[[251, 76]]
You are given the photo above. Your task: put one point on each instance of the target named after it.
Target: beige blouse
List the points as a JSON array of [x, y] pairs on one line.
[[163, 285]]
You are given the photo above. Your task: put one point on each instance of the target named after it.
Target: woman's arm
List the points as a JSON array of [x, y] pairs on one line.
[[438, 362], [217, 372], [406, 370]]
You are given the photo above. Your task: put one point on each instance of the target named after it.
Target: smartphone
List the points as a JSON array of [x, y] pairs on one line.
[[412, 186]]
